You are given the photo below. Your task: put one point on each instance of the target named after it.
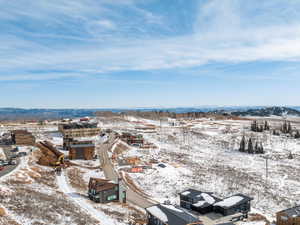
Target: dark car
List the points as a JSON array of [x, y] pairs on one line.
[[22, 154], [15, 150], [162, 165], [14, 156], [5, 163], [12, 162]]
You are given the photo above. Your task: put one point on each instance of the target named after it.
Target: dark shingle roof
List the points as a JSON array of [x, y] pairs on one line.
[[172, 215]]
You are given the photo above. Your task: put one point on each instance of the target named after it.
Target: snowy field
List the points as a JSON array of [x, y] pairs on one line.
[[203, 154]]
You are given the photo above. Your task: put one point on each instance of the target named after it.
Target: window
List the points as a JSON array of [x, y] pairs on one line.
[[111, 197]]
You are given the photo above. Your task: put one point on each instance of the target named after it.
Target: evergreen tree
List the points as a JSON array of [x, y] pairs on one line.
[[261, 128], [267, 126], [290, 156], [261, 149], [289, 128], [297, 135], [284, 128], [250, 146], [256, 149], [253, 126], [243, 145]]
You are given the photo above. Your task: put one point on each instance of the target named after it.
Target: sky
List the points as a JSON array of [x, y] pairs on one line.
[[149, 53]]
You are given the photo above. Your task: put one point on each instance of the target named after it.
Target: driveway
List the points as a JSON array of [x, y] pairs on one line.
[[110, 173]]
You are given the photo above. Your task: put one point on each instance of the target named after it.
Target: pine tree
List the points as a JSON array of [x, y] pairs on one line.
[[242, 145], [256, 149], [253, 126], [284, 128], [297, 135], [267, 127], [250, 146], [261, 149], [261, 128], [290, 156], [289, 128]]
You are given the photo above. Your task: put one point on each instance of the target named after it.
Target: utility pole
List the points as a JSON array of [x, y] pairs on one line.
[[267, 170]]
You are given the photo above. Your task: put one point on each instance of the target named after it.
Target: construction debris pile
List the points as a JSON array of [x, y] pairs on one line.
[[50, 155], [22, 137]]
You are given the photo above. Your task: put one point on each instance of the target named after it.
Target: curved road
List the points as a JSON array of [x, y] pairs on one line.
[[110, 173]]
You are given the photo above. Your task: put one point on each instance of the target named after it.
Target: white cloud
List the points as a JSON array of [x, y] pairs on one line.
[[219, 36], [107, 24]]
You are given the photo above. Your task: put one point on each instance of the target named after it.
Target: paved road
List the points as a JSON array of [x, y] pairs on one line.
[[7, 151], [111, 174]]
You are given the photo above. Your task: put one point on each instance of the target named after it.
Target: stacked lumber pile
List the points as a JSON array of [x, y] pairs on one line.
[[22, 137], [50, 155]]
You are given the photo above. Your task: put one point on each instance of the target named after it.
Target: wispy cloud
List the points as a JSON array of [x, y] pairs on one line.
[[102, 38]]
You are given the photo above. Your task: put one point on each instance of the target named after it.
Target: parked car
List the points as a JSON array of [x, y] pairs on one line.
[[162, 165], [5, 163], [15, 150], [14, 156], [12, 162], [22, 154], [2, 168]]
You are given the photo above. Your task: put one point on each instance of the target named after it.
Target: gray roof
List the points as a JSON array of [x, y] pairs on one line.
[[292, 212], [225, 223], [194, 193], [82, 146], [233, 201], [173, 215]]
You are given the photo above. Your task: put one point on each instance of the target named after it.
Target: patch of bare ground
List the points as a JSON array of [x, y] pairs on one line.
[[258, 217], [6, 220], [115, 210], [75, 176], [49, 208], [122, 212]]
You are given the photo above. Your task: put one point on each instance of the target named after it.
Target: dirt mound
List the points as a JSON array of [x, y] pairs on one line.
[[2, 212]]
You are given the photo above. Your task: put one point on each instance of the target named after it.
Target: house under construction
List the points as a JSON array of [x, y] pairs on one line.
[[22, 137], [131, 139], [80, 129], [81, 149]]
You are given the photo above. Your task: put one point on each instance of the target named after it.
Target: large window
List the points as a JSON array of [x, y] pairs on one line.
[[111, 197]]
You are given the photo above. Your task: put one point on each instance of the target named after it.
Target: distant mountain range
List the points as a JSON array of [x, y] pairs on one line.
[[38, 114], [268, 111]]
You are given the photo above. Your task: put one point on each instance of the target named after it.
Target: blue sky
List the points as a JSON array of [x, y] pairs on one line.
[[144, 53]]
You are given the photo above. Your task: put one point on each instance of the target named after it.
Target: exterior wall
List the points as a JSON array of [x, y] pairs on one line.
[[283, 219], [110, 195], [83, 132], [88, 153], [154, 221], [235, 209], [186, 202]]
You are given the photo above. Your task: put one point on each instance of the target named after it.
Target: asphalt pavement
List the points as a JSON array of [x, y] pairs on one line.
[[7, 151]]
